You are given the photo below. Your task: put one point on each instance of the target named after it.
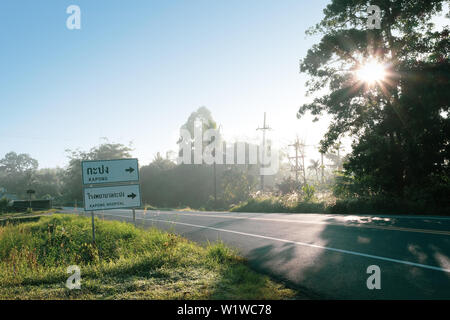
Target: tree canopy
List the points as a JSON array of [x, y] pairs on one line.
[[399, 122]]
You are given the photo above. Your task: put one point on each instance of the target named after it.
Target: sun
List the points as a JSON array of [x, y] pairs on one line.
[[371, 72]]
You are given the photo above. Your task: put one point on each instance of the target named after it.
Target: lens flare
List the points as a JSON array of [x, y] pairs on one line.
[[371, 72]]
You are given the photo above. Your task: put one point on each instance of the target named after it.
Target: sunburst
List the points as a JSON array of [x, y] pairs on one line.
[[371, 72]]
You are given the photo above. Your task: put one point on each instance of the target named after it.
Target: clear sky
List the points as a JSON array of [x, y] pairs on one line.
[[137, 69]]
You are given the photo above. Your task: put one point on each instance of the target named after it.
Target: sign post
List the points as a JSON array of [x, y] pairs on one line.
[[93, 227], [119, 188], [112, 197]]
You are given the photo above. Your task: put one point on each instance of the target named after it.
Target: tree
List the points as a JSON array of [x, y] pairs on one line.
[[48, 183], [237, 185], [288, 185], [166, 184], [334, 156], [203, 116], [14, 163], [201, 121], [162, 163], [315, 166], [398, 113], [17, 172]]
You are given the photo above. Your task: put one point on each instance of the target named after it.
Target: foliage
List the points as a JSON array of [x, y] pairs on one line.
[[400, 124], [174, 186], [290, 203], [125, 263], [287, 185], [17, 172], [14, 163], [237, 185], [308, 192], [386, 205], [4, 202]]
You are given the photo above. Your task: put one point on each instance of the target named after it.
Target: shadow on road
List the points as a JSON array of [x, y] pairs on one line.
[[326, 274]]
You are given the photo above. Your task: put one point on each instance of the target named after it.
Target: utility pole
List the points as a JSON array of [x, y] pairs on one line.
[[296, 145], [264, 128], [321, 166], [338, 149], [299, 153], [215, 169], [215, 180]]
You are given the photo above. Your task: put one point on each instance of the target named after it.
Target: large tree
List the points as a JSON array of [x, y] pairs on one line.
[[17, 172], [386, 87], [200, 120]]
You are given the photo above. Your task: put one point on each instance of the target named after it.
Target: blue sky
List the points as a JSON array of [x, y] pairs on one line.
[[137, 69]]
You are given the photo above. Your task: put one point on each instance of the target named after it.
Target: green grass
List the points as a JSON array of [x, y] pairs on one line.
[[181, 208], [6, 215], [21, 217], [363, 205], [278, 205], [125, 263]]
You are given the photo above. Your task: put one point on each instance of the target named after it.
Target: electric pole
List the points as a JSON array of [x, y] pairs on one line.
[[338, 147], [215, 179], [299, 153], [321, 166], [264, 128], [296, 145]]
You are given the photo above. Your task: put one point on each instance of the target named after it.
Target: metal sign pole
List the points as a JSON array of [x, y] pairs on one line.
[[134, 217], [93, 227]]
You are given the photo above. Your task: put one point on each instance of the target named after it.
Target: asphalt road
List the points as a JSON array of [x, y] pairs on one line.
[[325, 256]]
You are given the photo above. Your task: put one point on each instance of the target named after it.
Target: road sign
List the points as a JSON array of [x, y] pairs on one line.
[[115, 197], [110, 171]]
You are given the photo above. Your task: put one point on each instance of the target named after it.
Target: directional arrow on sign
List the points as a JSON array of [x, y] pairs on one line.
[[126, 196], [130, 170], [110, 171]]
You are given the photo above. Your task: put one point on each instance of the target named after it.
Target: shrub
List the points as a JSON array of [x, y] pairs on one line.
[[284, 204], [308, 192], [384, 205], [4, 203]]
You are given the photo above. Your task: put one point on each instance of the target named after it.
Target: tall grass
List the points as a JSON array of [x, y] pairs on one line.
[[124, 263], [362, 205], [273, 204]]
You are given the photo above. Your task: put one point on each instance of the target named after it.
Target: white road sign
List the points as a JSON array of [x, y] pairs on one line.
[[110, 171], [116, 197]]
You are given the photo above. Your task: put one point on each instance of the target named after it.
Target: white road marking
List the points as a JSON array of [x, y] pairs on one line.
[[296, 243], [340, 215], [439, 232]]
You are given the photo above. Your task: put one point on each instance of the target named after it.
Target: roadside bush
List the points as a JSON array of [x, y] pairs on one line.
[[285, 204], [308, 192], [384, 205], [4, 205], [309, 207]]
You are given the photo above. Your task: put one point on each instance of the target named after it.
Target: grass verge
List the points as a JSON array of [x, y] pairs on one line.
[[21, 217], [125, 263], [371, 206], [278, 205]]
